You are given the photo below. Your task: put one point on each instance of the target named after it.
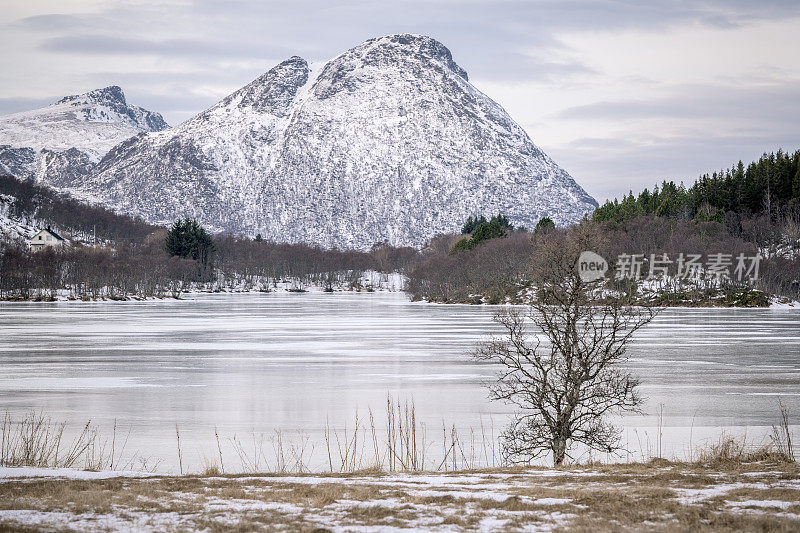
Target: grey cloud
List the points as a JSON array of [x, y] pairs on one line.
[[55, 22], [521, 17], [747, 104], [514, 66], [738, 122], [489, 39]]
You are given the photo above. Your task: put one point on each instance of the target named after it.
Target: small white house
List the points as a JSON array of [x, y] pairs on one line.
[[46, 237]]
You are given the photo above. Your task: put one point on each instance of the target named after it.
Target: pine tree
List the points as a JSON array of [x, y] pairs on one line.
[[796, 185], [502, 221], [545, 225], [472, 223], [189, 240], [769, 185]]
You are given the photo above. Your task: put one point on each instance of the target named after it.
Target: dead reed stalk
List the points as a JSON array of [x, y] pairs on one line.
[[180, 453]]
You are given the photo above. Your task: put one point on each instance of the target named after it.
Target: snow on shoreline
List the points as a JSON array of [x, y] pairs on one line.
[[783, 303], [368, 281]]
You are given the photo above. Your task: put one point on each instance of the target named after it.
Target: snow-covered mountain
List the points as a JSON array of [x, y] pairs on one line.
[[60, 144], [388, 142]]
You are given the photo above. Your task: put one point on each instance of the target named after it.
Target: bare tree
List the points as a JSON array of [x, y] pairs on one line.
[[568, 380]]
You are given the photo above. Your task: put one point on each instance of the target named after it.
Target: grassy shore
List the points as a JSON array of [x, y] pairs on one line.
[[656, 496]]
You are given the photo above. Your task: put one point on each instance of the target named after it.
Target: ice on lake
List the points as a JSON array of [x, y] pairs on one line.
[[259, 362]]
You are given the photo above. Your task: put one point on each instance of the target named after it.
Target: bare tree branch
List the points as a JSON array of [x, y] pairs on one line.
[[566, 379]]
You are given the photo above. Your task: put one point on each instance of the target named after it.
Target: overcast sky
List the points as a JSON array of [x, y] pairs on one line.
[[622, 94]]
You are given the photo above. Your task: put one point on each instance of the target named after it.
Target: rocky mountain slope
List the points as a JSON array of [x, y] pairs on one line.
[[14, 226], [60, 144], [388, 142]]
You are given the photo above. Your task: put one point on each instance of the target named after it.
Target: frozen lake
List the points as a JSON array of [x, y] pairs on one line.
[[260, 362]]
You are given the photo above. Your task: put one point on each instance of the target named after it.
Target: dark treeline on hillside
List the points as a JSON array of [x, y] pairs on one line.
[[80, 220], [758, 198], [141, 260], [744, 210]]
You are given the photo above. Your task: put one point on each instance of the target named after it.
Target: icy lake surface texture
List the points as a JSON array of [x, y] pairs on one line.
[[261, 362]]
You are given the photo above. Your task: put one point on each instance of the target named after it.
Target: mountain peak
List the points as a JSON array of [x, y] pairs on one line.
[[62, 141], [418, 45], [402, 56], [109, 105], [273, 91], [112, 94]]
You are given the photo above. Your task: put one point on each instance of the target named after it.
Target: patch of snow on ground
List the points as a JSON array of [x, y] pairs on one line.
[[698, 495], [761, 503], [777, 303]]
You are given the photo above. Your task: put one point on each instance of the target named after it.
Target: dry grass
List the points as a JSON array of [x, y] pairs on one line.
[[730, 452], [730, 486], [663, 497], [398, 443], [37, 440]]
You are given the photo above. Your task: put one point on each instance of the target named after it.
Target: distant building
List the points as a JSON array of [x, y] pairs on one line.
[[46, 237]]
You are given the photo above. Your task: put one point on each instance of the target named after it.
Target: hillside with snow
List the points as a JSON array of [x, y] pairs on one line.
[[60, 144], [15, 226], [388, 142]]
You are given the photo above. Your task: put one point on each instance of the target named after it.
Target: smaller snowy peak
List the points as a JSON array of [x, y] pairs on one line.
[[93, 121], [274, 91], [60, 143], [271, 93], [109, 105], [112, 94]]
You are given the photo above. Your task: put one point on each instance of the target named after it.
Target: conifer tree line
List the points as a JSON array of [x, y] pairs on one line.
[[477, 230], [768, 187]]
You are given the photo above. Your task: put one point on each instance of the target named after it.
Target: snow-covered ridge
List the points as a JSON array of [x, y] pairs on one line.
[[109, 105], [60, 144], [387, 142]]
